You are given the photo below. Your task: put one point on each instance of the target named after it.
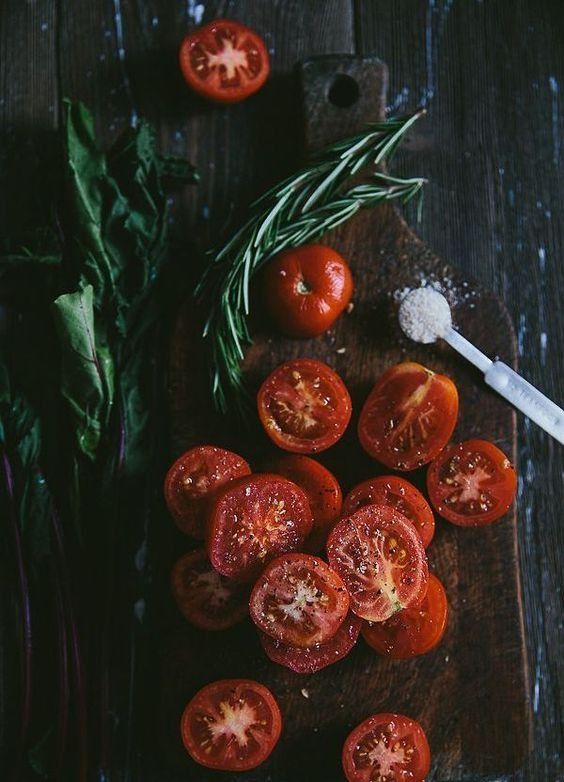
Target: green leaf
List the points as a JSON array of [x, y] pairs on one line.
[[41, 754]]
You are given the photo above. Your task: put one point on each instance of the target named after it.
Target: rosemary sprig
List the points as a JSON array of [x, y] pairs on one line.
[[298, 210]]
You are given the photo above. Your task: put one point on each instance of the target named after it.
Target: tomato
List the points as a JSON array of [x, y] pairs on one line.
[[224, 61], [414, 630], [306, 289], [207, 599], [399, 494], [323, 492], [299, 600], [408, 417], [471, 483], [387, 748], [316, 657], [253, 520], [381, 559], [192, 481], [304, 406], [231, 725]]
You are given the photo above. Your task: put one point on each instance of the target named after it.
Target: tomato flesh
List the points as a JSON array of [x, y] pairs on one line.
[[399, 494], [224, 61], [299, 600], [472, 483], [381, 559], [414, 630], [254, 520], [408, 417], [387, 748], [304, 406], [207, 599], [192, 481], [317, 657], [231, 725]]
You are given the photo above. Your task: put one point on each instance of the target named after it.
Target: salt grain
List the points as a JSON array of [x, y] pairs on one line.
[[424, 315]]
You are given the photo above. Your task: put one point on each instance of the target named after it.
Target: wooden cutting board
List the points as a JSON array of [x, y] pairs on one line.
[[471, 693]]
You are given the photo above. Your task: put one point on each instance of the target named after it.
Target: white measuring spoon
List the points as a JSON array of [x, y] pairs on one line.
[[425, 316]]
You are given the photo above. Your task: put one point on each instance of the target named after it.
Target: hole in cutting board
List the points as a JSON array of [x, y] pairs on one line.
[[343, 92]]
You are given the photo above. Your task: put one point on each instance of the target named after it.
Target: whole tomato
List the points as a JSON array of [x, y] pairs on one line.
[[306, 289]]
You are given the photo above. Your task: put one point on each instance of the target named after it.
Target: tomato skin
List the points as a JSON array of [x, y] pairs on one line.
[[304, 406], [409, 416], [323, 492], [414, 630], [399, 494], [317, 657], [479, 470], [299, 600], [306, 289], [205, 598], [380, 557], [192, 481], [392, 744], [253, 520], [242, 700], [218, 39]]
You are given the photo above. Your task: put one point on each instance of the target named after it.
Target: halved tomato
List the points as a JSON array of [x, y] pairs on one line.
[[299, 600], [408, 417], [471, 483], [192, 481], [387, 748], [304, 406], [414, 630], [253, 520], [381, 559], [315, 657], [224, 61], [398, 493], [323, 492], [231, 725], [207, 599]]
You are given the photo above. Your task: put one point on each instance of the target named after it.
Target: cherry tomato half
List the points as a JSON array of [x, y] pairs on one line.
[[306, 289], [192, 481], [299, 600], [408, 417], [388, 747], [224, 61], [414, 630], [254, 520], [315, 657], [304, 406], [231, 725], [471, 483], [399, 494], [381, 559], [323, 492], [207, 599]]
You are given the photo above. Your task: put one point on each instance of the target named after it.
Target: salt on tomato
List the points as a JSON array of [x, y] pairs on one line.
[[398, 493], [306, 289], [224, 61], [381, 559], [471, 483], [414, 630], [387, 748], [408, 417], [317, 657], [253, 520], [205, 598], [323, 492], [304, 406], [193, 479], [299, 600], [231, 725]]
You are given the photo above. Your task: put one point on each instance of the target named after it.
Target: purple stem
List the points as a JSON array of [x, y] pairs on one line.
[[64, 688]]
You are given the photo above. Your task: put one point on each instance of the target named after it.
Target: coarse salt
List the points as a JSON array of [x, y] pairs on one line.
[[424, 315]]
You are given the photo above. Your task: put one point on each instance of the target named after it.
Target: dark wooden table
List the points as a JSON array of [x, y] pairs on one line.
[[491, 74]]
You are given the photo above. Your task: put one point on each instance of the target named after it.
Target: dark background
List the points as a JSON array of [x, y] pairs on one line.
[[491, 74]]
